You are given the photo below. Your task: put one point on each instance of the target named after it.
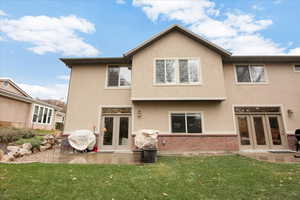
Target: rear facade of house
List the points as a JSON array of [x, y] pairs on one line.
[[196, 94]]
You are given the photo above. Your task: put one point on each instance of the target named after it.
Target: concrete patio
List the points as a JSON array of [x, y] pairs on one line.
[[273, 157], [55, 156]]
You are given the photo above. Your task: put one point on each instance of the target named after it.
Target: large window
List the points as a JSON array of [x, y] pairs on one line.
[[250, 74], [181, 71], [186, 122], [42, 115], [119, 76]]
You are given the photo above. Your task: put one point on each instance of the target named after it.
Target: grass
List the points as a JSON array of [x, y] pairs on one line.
[[35, 141], [221, 177]]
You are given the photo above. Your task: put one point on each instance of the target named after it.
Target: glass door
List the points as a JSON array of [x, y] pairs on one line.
[[260, 134], [115, 134], [124, 127], [107, 133], [245, 136], [276, 133]]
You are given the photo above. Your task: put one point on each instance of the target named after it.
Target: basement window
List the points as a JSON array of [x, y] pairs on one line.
[[186, 122]]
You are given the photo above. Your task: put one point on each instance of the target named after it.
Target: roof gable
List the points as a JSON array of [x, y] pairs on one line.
[[184, 31], [13, 87]]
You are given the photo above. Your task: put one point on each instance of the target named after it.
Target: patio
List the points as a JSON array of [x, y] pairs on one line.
[[55, 156], [278, 157]]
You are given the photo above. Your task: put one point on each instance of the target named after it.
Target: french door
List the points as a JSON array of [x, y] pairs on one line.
[[115, 132], [261, 132]]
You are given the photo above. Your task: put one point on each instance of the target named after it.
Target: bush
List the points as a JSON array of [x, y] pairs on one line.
[[11, 134], [35, 141]]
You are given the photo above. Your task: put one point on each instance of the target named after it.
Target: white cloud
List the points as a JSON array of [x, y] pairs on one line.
[[51, 34], [2, 13], [295, 51], [120, 1], [64, 77], [236, 31], [250, 44], [56, 91]]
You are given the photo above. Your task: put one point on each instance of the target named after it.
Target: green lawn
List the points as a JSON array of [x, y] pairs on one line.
[[220, 177]]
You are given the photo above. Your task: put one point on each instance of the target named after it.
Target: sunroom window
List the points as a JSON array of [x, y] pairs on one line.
[[119, 76], [172, 71], [186, 123], [42, 115], [250, 74]]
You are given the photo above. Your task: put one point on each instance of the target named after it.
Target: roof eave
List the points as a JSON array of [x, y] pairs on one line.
[[69, 62], [263, 59]]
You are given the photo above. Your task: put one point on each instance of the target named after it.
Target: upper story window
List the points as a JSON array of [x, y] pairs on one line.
[[42, 115], [250, 74], [119, 76], [181, 71], [297, 68]]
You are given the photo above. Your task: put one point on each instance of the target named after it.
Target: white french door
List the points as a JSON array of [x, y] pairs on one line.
[[115, 132], [261, 132]]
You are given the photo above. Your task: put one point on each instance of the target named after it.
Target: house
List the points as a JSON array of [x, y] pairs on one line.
[[199, 96], [20, 110]]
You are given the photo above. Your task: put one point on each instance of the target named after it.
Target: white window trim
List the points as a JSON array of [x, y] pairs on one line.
[[37, 121], [98, 125], [294, 67], [251, 83], [116, 87], [185, 112], [177, 76], [285, 130]]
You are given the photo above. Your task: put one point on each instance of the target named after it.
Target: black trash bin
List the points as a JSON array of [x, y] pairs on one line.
[[149, 155]]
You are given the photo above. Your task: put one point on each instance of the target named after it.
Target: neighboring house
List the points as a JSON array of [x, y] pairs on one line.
[[20, 110], [199, 96]]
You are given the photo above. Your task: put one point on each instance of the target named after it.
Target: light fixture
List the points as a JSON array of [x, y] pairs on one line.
[[139, 113], [290, 112]]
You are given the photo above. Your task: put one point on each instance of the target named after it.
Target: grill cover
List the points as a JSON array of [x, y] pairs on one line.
[[82, 140]]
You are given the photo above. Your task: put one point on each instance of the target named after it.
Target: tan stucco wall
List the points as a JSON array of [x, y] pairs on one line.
[[217, 118], [14, 112], [86, 93], [177, 45], [282, 88]]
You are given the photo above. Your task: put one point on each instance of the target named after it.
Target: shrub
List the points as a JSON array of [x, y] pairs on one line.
[[35, 141], [11, 134]]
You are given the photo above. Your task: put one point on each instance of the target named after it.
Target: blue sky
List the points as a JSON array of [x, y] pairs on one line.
[[34, 34]]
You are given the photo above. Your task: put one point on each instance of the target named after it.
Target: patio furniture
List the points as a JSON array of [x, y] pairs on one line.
[[65, 146]]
